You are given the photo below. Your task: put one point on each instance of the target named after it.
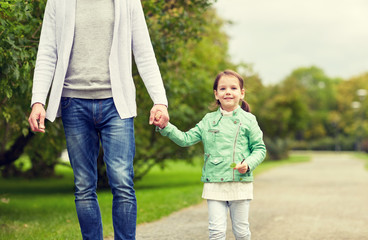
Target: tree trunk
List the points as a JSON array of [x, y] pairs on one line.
[[16, 149]]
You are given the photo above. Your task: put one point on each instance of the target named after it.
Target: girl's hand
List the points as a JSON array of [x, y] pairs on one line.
[[242, 167], [158, 116], [157, 119]]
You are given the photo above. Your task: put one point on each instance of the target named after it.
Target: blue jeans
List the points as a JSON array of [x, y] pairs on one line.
[[217, 219], [87, 123]]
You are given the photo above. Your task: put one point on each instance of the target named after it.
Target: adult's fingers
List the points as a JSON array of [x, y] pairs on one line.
[[37, 118], [152, 116], [160, 110]]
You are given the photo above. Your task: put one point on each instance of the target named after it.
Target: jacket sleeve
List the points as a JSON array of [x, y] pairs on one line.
[[256, 145], [183, 139], [145, 57], [46, 56]]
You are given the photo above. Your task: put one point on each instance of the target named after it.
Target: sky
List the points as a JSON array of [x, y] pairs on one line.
[[278, 36]]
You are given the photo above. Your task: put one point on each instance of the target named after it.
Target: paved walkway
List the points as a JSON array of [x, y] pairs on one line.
[[325, 199]]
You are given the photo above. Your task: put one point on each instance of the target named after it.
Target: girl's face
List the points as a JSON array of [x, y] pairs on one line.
[[229, 93]]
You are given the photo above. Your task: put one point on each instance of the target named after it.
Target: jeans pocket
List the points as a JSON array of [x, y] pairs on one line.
[[65, 102]]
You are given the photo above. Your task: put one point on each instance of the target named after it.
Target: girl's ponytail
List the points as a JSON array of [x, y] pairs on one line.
[[245, 106]]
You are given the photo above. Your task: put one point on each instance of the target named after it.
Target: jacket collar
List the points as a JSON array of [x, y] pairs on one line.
[[218, 116]]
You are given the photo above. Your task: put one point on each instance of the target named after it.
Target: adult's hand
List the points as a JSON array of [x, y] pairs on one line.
[[37, 118], [159, 116]]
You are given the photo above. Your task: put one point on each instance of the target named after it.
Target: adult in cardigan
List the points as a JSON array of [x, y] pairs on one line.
[[84, 57]]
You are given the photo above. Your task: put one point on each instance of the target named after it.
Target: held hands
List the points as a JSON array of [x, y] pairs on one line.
[[159, 116], [37, 118]]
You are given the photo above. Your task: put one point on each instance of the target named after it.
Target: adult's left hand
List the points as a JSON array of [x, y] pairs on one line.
[[161, 111]]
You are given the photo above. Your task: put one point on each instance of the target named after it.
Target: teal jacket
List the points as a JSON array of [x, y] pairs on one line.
[[226, 140]]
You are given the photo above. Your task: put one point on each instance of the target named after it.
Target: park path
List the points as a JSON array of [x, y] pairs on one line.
[[324, 199]]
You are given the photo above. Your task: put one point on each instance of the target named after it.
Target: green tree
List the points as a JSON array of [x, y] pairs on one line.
[[20, 26], [315, 111], [352, 111], [320, 95], [282, 113], [298, 108]]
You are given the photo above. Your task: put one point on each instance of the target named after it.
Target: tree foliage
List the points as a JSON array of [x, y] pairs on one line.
[[310, 110], [20, 26], [351, 118]]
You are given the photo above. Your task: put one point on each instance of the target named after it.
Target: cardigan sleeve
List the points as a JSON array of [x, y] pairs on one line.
[[145, 57], [46, 56]]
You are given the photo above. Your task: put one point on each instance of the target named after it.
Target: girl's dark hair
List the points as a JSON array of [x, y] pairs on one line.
[[245, 106]]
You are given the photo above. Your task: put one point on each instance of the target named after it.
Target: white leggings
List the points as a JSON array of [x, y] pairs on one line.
[[217, 219]]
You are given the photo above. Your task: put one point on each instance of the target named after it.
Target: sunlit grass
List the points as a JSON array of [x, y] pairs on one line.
[[364, 157]]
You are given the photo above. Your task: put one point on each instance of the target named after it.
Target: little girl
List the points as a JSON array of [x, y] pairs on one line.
[[233, 148]]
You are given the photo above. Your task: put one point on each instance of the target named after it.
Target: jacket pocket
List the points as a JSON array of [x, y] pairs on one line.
[[216, 160], [216, 167], [212, 134]]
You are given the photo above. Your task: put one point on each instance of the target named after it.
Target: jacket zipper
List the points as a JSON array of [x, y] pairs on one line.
[[205, 161], [236, 138]]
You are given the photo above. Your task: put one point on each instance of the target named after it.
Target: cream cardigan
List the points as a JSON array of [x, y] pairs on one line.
[[130, 34]]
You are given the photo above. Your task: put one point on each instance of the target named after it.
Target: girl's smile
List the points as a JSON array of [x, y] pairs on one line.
[[229, 93]]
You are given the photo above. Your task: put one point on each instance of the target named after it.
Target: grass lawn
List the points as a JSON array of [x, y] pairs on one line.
[[44, 208], [364, 157]]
